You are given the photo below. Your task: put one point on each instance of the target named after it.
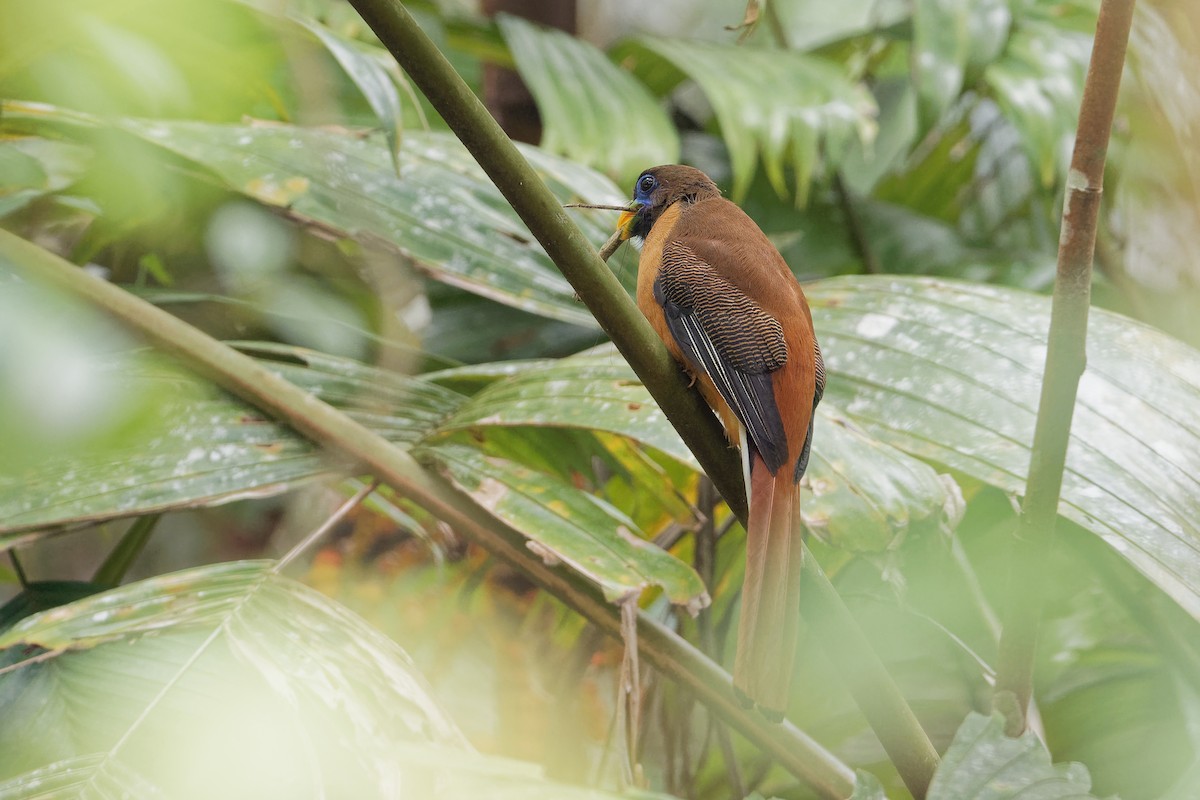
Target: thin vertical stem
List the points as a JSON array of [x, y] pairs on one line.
[[132, 543], [1065, 360]]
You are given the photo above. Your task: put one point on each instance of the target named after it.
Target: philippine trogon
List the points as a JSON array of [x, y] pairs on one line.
[[731, 312]]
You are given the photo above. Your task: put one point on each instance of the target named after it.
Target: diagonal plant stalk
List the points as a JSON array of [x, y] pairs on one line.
[[873, 688], [126, 552], [1065, 360], [259, 386]]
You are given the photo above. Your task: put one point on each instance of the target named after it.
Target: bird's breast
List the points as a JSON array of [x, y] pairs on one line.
[[649, 265]]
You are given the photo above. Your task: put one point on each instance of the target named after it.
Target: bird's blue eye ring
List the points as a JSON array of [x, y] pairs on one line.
[[646, 184]]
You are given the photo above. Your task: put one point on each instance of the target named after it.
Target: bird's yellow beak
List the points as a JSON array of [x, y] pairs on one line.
[[625, 222]]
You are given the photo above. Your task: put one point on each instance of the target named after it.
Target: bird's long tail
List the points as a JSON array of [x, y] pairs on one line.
[[770, 619]]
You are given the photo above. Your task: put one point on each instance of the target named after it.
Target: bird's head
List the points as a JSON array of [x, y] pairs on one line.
[[655, 190]]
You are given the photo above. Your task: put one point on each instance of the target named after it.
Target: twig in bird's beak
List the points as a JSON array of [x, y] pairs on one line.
[[615, 240], [611, 245]]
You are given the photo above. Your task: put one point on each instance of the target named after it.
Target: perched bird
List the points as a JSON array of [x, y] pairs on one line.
[[731, 312]]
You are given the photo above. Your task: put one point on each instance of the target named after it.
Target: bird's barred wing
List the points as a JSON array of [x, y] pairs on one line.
[[725, 334]]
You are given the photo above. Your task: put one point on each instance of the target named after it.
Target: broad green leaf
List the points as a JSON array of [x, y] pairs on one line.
[[211, 448], [440, 210], [467, 329], [781, 107], [951, 372], [368, 75], [565, 524], [226, 681], [1122, 711], [37, 596], [592, 111], [470, 378], [596, 392], [31, 167], [864, 493], [648, 487], [1038, 82], [984, 764]]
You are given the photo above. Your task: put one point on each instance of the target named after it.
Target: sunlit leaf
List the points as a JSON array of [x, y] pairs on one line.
[[90, 776], [951, 372], [591, 110], [256, 661], [565, 524], [984, 764], [783, 107], [143, 689]]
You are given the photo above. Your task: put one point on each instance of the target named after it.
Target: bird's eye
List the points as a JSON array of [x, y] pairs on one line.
[[646, 184]]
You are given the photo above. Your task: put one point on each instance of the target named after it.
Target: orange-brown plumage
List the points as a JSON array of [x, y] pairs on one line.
[[728, 308]]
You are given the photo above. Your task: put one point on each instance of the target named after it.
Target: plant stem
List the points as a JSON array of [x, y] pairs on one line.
[[705, 563], [641, 347], [259, 386], [1065, 359], [18, 569], [872, 686], [126, 552]]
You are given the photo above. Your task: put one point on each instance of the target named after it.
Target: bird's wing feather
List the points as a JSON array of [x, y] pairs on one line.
[[725, 334], [818, 393]]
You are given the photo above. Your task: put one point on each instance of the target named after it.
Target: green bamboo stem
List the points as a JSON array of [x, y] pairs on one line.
[[322, 423], [132, 543], [903, 738], [1065, 360]]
